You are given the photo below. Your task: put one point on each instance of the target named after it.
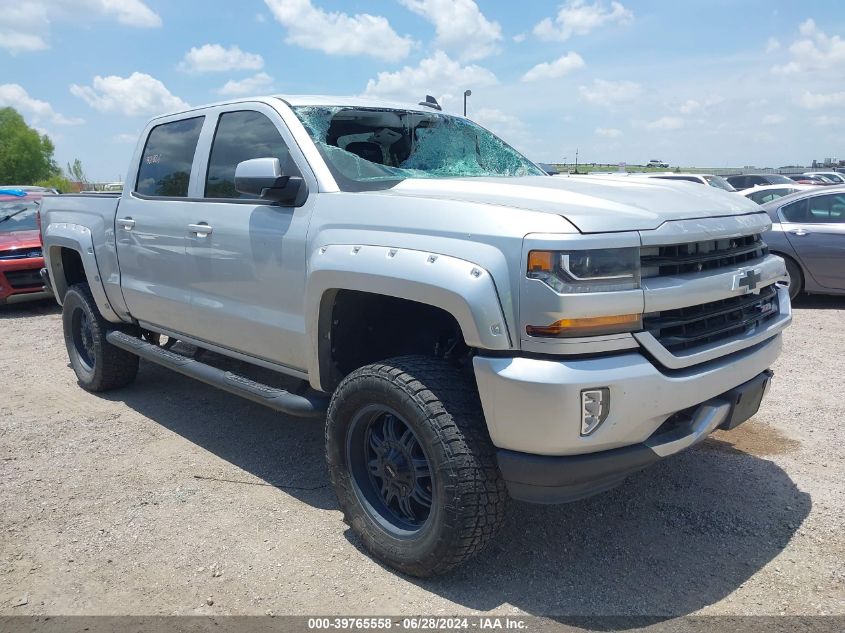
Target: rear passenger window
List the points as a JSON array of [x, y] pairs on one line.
[[796, 212], [242, 136], [166, 162], [817, 210]]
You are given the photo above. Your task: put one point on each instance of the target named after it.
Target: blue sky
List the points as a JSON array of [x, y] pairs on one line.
[[717, 83]]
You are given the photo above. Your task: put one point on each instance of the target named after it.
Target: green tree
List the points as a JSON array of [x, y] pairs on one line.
[[59, 182], [25, 155]]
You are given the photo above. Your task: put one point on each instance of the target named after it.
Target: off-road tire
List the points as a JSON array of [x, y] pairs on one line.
[[109, 367], [440, 404]]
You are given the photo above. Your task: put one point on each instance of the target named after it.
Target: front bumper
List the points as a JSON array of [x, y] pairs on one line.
[[15, 290], [560, 479], [534, 406]]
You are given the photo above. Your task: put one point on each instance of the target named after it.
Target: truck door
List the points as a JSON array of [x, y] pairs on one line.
[[246, 255], [815, 227], [151, 227]]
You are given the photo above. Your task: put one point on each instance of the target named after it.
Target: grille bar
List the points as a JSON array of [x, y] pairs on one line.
[[21, 279], [686, 328], [700, 256]]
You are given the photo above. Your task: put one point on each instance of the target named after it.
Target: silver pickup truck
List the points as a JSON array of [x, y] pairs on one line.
[[471, 329]]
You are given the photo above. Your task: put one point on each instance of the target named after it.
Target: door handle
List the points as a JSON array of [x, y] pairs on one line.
[[126, 223], [799, 232], [200, 230]]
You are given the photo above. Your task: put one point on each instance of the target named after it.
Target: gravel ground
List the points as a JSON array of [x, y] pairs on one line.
[[170, 497]]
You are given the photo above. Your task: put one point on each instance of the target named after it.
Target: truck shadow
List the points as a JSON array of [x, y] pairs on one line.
[[671, 540], [282, 451], [819, 302]]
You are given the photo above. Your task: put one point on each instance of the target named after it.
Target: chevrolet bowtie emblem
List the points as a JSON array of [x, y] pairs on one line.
[[749, 280]]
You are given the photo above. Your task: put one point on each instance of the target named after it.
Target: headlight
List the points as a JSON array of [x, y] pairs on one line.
[[597, 270]]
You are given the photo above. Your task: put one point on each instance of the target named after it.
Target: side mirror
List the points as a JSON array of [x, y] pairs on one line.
[[263, 177]]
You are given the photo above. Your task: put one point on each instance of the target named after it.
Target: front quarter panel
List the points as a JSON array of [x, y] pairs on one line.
[[459, 287]]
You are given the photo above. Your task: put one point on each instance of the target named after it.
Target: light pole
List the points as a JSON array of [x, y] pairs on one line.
[[467, 93]]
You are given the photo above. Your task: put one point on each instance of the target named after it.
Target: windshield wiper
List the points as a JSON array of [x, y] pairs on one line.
[[11, 215]]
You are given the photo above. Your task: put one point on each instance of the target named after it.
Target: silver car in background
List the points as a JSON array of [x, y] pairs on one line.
[[808, 231], [761, 194]]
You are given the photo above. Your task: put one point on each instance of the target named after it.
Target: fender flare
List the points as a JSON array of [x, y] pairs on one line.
[[463, 289], [75, 237]]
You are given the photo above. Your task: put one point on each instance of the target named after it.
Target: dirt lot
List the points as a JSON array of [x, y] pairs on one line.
[[169, 495]]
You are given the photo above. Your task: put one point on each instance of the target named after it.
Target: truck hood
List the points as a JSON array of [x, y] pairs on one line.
[[596, 204]]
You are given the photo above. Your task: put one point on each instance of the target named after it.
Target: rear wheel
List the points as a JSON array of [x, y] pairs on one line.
[[98, 364], [412, 464], [796, 277]]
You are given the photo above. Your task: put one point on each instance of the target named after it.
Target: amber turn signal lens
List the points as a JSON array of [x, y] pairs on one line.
[[589, 326], [540, 261]]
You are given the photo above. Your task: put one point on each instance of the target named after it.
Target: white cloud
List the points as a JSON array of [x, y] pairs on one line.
[[817, 100], [815, 52], [608, 132], [829, 121], [772, 45], [460, 27], [129, 12], [577, 17], [125, 138], [338, 33], [15, 96], [25, 26], [558, 68], [215, 58], [251, 85], [610, 93], [665, 123], [773, 119], [138, 94], [438, 75], [690, 106], [702, 108], [519, 38], [501, 124]]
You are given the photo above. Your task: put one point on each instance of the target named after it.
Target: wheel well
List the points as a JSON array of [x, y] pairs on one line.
[[68, 271], [790, 259], [359, 328]]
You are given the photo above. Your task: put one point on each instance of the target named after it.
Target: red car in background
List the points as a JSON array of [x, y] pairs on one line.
[[21, 259]]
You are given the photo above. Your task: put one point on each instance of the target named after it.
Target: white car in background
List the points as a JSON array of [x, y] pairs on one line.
[[766, 193], [710, 180], [835, 176], [701, 179]]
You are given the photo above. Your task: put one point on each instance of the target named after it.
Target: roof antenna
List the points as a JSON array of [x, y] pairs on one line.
[[430, 102]]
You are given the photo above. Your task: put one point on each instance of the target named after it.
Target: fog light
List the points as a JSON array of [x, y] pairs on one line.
[[595, 405]]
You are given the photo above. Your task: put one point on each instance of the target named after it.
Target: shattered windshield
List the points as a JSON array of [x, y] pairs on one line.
[[370, 148]]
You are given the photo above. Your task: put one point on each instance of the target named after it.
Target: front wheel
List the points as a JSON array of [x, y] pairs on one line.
[[412, 464], [98, 364]]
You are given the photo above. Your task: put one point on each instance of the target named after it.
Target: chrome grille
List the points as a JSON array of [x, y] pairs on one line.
[[686, 328], [693, 257]]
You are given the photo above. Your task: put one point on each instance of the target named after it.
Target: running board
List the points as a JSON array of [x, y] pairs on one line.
[[312, 406]]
